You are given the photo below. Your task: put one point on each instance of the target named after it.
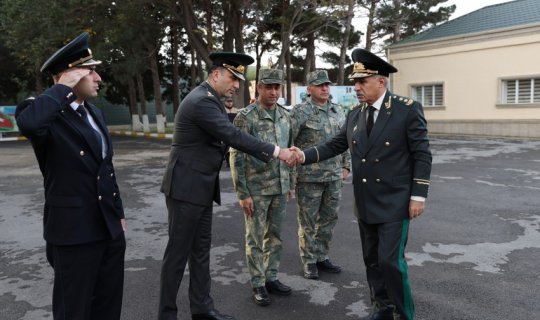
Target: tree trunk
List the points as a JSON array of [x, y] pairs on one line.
[[160, 119], [39, 81], [285, 36], [228, 37], [136, 124], [193, 69], [345, 44], [175, 76], [200, 70], [371, 20], [397, 23], [190, 26], [309, 63], [289, 77], [142, 101]]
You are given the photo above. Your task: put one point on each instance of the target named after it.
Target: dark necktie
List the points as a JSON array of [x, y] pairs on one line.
[[370, 121], [84, 115]]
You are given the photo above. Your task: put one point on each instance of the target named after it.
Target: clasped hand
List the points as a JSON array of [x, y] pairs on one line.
[[292, 156]]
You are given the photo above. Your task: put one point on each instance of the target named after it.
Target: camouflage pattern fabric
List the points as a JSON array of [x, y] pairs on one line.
[[267, 184], [318, 185], [313, 125], [263, 238], [318, 206]]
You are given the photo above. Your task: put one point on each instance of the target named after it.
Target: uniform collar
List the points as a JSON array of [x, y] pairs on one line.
[[377, 105], [325, 107]]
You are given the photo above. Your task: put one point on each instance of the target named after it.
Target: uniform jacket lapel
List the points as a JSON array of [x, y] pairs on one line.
[[382, 119], [102, 126], [84, 130]]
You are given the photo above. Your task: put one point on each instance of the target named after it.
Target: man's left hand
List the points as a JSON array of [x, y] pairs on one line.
[[416, 208], [123, 223]]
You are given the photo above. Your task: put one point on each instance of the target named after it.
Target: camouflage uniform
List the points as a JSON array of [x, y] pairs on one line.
[[267, 184], [318, 185]]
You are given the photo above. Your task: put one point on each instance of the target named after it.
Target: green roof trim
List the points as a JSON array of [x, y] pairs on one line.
[[497, 16]]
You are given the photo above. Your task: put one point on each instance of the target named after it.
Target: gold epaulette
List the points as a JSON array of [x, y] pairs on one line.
[[404, 100]]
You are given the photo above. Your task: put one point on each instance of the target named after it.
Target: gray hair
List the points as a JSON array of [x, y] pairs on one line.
[[378, 76]]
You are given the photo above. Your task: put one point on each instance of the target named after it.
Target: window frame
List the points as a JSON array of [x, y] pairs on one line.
[[502, 97], [414, 86]]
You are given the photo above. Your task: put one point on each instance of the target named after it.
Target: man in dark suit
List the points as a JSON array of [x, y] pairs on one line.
[[84, 217], [391, 161], [202, 132]]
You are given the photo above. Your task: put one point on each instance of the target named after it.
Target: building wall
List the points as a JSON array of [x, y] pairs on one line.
[[470, 69]]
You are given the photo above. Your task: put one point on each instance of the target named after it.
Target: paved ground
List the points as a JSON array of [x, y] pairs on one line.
[[473, 255]]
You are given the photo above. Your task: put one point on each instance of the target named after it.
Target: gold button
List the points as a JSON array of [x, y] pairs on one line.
[[99, 198], [387, 143], [114, 194], [354, 142], [98, 177], [376, 160], [364, 180], [81, 153], [378, 180], [112, 174], [363, 160]]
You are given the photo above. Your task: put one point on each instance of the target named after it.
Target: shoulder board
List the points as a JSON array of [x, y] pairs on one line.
[[282, 107], [247, 109], [406, 101]]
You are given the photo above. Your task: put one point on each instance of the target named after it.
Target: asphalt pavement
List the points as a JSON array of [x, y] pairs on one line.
[[474, 254]]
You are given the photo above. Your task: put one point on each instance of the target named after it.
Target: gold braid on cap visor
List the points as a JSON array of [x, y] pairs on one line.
[[81, 60], [359, 68], [240, 68]]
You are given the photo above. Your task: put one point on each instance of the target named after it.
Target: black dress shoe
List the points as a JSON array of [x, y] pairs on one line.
[[381, 314], [260, 295], [310, 271], [277, 287], [328, 266], [211, 315]]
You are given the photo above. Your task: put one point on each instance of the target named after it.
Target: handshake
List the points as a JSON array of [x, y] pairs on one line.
[[292, 156]]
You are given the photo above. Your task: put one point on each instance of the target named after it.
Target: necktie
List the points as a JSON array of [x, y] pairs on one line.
[[84, 115], [370, 121]]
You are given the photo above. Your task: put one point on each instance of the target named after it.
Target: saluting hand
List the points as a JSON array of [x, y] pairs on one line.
[[72, 76]]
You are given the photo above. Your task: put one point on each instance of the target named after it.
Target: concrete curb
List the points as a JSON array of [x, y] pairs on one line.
[[19, 138], [129, 133]]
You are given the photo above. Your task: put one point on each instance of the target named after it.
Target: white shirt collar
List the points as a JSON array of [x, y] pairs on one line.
[[377, 105], [75, 105]]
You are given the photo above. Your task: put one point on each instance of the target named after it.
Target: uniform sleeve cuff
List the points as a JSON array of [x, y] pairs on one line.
[[276, 152], [417, 198]]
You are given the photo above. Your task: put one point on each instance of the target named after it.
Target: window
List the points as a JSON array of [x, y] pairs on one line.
[[430, 95], [520, 91]]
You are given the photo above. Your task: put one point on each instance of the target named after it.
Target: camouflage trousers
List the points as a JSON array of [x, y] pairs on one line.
[[318, 206], [263, 238]]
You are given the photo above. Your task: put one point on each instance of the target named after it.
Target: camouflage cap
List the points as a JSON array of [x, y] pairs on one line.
[[269, 76], [318, 77]]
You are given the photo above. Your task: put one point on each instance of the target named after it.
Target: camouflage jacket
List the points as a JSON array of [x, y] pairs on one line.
[[250, 175], [313, 125]]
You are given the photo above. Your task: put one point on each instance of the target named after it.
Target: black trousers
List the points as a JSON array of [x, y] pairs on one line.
[[190, 236], [88, 279], [383, 247]]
